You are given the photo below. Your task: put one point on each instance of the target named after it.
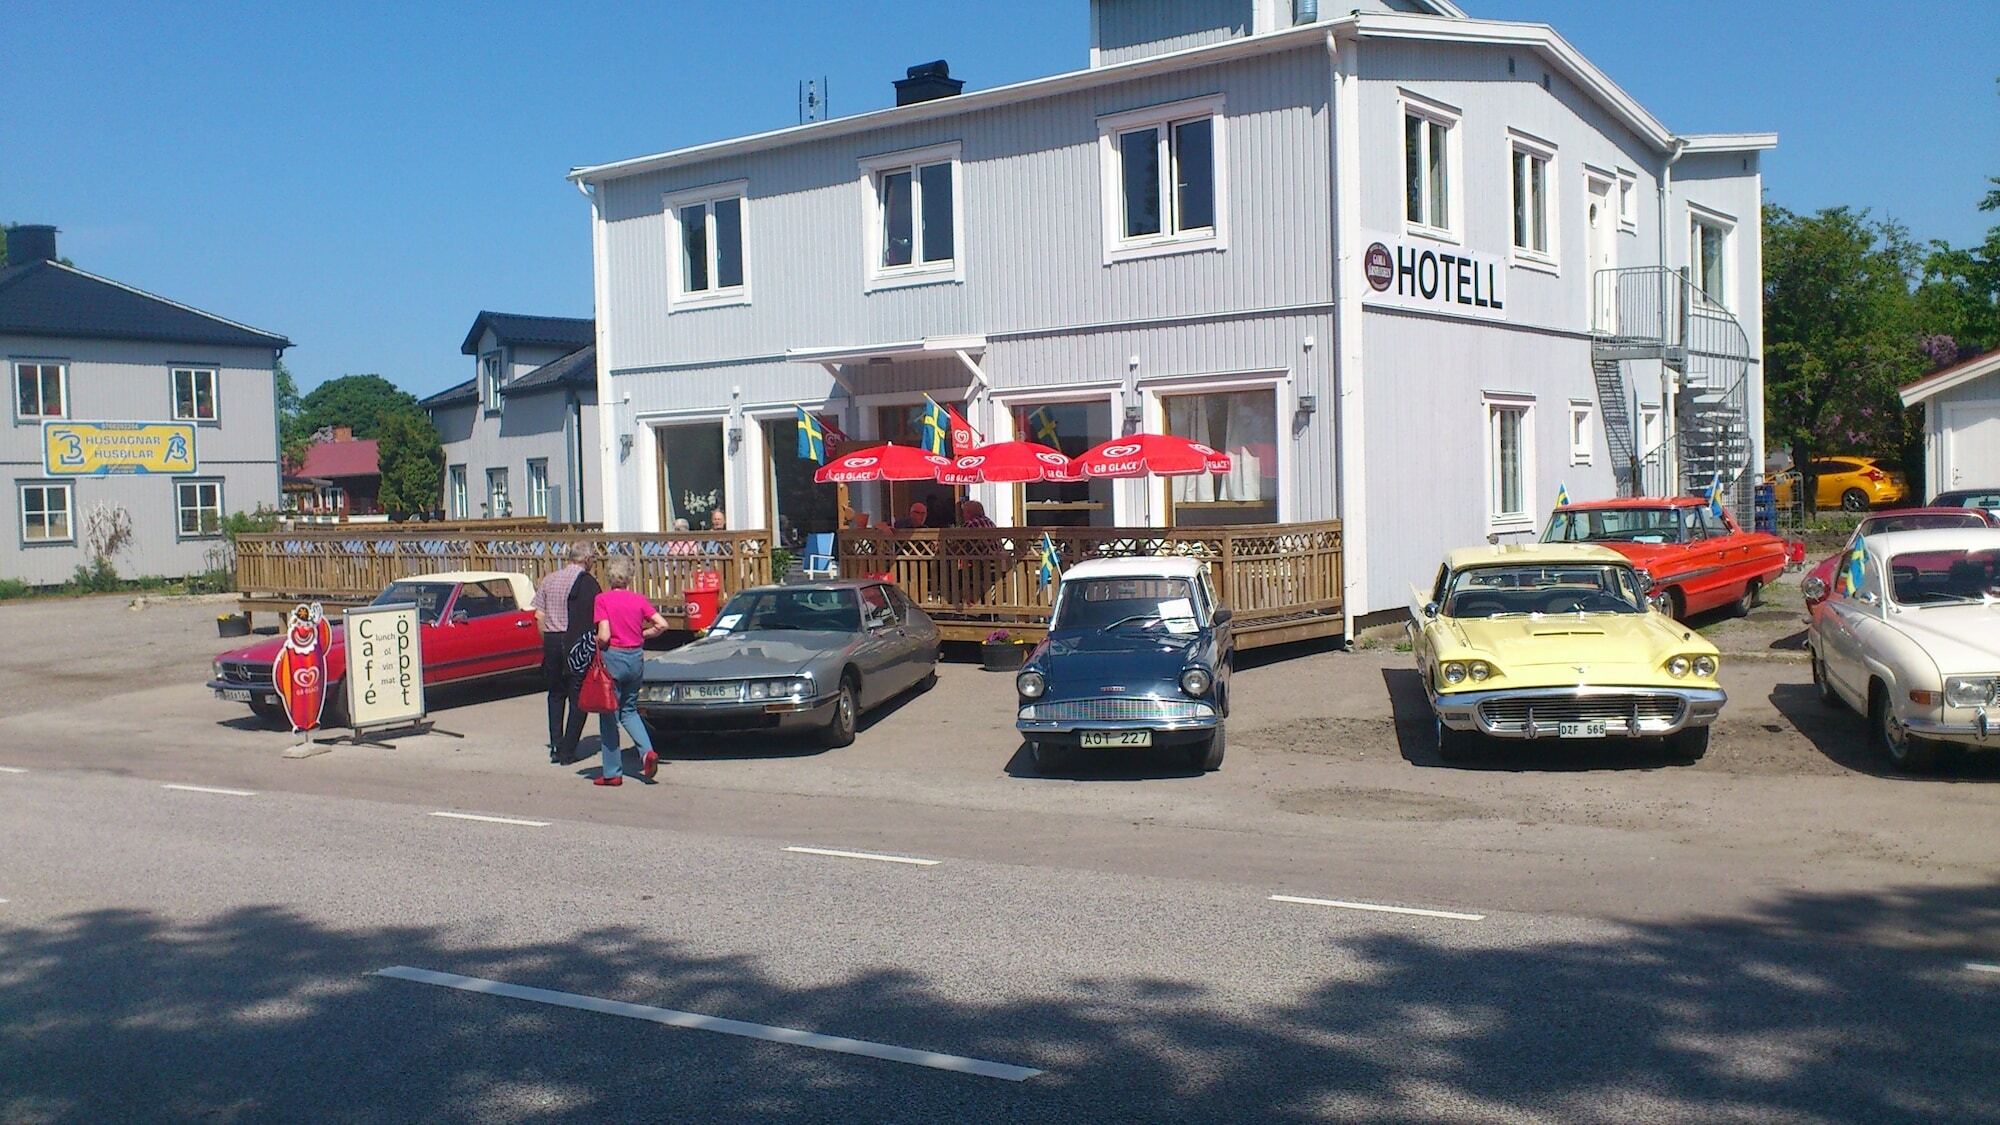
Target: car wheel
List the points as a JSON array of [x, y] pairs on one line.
[[270, 713], [1689, 744], [928, 682], [1827, 696], [1049, 757], [1668, 602], [839, 730], [1206, 756], [1457, 745], [1742, 606], [1854, 500], [1906, 751]]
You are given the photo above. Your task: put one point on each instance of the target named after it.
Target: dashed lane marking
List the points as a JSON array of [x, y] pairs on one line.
[[12, 769], [866, 855], [1380, 909], [1981, 967], [698, 1022], [210, 789], [492, 819]]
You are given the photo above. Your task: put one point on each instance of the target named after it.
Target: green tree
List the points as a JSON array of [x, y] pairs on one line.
[[1959, 295], [293, 437], [412, 461], [357, 401]]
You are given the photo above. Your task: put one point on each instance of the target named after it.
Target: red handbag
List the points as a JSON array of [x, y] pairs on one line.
[[598, 694]]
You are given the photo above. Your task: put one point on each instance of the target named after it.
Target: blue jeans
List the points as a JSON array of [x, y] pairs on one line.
[[626, 668]]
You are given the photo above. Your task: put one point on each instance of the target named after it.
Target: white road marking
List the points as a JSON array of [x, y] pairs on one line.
[[207, 789], [1980, 967], [1380, 909], [698, 1022], [12, 769], [493, 819], [866, 855]]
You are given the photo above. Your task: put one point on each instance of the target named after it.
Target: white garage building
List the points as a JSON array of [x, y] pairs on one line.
[[1961, 425]]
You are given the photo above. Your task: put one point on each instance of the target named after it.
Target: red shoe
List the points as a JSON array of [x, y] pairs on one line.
[[607, 781], [649, 765]]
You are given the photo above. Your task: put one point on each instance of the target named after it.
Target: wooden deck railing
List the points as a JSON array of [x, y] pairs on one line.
[[1283, 581], [345, 566]]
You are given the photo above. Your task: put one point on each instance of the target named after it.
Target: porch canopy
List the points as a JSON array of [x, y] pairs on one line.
[[966, 349]]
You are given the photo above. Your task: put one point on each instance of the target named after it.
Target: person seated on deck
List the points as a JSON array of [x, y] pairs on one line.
[[919, 517]]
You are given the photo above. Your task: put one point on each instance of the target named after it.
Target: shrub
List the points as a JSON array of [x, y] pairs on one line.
[[98, 576], [12, 588]]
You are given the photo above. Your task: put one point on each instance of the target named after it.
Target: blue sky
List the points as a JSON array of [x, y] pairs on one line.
[[364, 177]]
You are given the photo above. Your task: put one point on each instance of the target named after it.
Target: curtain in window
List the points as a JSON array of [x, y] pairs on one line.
[[1242, 424], [1507, 499]]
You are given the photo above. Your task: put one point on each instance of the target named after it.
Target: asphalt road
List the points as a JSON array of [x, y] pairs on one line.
[[1780, 932]]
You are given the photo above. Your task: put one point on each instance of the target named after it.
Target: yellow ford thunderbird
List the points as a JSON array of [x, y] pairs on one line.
[[1557, 641]]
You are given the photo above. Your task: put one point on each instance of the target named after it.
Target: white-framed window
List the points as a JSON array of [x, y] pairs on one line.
[[1430, 166], [458, 500], [195, 394], [538, 487], [1531, 164], [706, 242], [46, 514], [41, 390], [1510, 460], [198, 509], [1628, 200], [1165, 179], [490, 378], [1580, 443], [497, 505], [1709, 236], [914, 231], [1652, 431]]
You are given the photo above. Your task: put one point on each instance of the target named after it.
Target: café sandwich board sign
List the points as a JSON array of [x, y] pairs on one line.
[[1433, 277], [95, 449], [385, 666]]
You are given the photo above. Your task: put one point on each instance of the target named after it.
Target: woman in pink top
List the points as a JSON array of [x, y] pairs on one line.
[[624, 620]]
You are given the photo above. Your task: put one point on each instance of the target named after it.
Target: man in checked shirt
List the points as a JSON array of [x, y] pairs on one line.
[[562, 607]]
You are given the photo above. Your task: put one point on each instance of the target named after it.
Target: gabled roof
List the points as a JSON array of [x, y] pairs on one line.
[[467, 391], [577, 369], [568, 332], [1957, 375], [358, 458], [51, 299]]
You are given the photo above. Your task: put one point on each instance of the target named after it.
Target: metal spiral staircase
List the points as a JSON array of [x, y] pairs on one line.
[[1651, 313]]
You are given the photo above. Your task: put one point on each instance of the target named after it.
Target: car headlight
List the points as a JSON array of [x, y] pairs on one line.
[[801, 686], [1971, 691], [1705, 666], [1679, 666], [762, 689], [1478, 670], [1196, 682], [216, 668], [1454, 671], [1031, 685]]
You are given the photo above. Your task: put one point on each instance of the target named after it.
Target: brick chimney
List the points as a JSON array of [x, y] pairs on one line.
[[343, 433]]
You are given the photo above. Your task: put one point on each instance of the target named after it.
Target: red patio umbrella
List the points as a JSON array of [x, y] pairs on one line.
[[881, 462], [1162, 455], [1008, 462]]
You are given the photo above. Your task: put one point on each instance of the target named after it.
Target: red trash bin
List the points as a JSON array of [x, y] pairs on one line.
[[704, 599]]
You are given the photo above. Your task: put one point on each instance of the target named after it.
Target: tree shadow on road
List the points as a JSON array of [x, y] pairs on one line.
[[1806, 1009], [1416, 738]]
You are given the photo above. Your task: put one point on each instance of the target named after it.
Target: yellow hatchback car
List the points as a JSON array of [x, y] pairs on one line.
[[1853, 484], [1558, 641]]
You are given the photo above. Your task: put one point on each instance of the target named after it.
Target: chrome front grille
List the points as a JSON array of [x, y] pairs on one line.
[[237, 672], [1627, 712], [1140, 710]]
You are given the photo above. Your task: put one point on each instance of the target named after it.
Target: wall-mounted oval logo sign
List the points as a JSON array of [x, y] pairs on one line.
[[1380, 267], [1119, 450]]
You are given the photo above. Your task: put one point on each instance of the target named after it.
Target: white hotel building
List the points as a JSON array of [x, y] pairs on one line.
[[1404, 264]]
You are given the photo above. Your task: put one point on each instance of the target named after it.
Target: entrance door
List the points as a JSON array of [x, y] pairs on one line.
[[1972, 445], [1601, 254]]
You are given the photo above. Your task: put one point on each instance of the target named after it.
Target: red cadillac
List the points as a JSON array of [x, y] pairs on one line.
[[1699, 560], [473, 623], [1819, 582]]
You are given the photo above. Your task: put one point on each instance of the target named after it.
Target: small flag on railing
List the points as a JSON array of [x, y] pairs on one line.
[[1715, 494], [1562, 495], [1049, 568], [812, 438], [934, 431]]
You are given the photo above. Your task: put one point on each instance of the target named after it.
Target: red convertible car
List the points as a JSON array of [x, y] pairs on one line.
[[474, 624], [1819, 582], [1698, 560]]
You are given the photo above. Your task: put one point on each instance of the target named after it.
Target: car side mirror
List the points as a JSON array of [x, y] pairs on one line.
[[1222, 616], [1868, 597], [1430, 610], [1646, 583], [1813, 588], [460, 617]]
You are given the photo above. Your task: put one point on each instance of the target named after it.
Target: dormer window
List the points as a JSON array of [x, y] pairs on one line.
[[489, 382]]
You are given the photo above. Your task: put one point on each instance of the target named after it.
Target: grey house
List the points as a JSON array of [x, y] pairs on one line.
[[515, 434], [106, 384], [1413, 270]]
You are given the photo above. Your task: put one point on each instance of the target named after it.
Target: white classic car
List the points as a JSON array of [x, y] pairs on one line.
[[1910, 637]]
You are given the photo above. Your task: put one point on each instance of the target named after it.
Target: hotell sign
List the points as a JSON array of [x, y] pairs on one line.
[[1443, 279]]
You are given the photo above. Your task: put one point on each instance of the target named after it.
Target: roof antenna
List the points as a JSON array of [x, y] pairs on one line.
[[812, 100]]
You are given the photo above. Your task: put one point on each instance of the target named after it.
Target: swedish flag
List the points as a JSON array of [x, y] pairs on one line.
[[1562, 495], [1042, 424], [934, 432], [1857, 557], [1049, 568], [812, 438], [1715, 494]]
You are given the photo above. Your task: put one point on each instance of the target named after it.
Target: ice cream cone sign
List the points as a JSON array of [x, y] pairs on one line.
[[300, 671]]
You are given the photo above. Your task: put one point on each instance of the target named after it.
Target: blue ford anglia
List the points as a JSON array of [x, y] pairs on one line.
[[1137, 656]]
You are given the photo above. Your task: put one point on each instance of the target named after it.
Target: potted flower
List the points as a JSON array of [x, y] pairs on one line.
[[1003, 651]]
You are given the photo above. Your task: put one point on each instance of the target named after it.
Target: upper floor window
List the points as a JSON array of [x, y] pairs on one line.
[[490, 368], [1532, 199], [1708, 254], [1430, 163], [914, 227], [1164, 179], [194, 394], [41, 390], [706, 226]]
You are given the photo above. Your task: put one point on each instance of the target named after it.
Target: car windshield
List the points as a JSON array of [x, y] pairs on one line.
[[430, 598], [1919, 578], [1967, 500], [1125, 603], [832, 610], [1510, 591], [1626, 525], [1918, 521]]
